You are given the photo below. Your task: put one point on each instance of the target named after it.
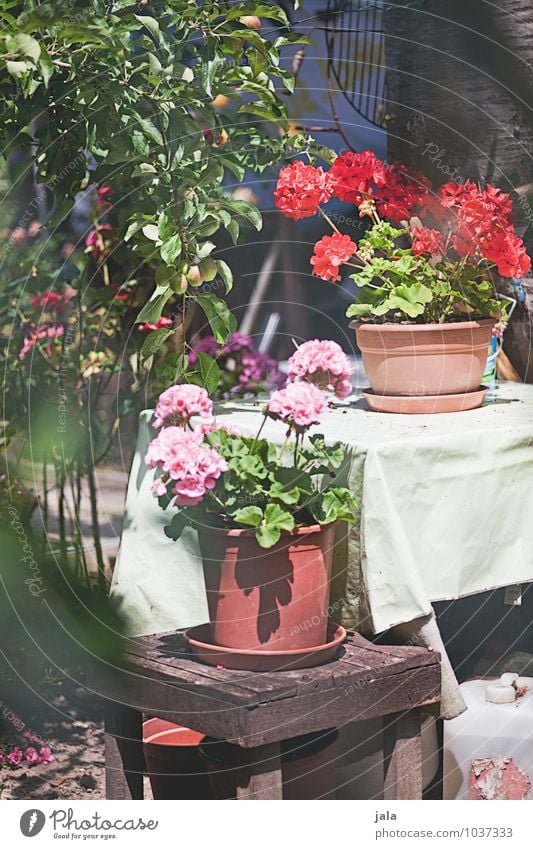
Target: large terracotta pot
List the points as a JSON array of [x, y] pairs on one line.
[[272, 599], [424, 359]]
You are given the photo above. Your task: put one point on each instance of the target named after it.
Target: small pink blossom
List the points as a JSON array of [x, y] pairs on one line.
[[299, 404], [31, 755], [46, 755], [159, 487], [15, 756], [95, 240], [499, 329], [178, 404], [323, 363], [43, 331]]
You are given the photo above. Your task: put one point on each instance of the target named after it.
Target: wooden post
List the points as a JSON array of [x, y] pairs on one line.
[[402, 755], [124, 758], [259, 775]]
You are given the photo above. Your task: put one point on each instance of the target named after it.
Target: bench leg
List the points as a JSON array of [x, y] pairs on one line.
[[124, 758], [402, 750], [259, 774]]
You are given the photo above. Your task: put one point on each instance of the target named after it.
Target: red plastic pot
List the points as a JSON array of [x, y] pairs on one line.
[[173, 762], [307, 765], [424, 359], [272, 599]]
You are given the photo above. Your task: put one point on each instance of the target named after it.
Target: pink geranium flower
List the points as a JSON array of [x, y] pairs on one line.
[[192, 467], [15, 756], [31, 755], [178, 404], [323, 363], [46, 755], [299, 404]]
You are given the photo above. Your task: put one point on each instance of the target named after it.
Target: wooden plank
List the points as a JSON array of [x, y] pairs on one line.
[[259, 775], [333, 708], [124, 758], [402, 749]]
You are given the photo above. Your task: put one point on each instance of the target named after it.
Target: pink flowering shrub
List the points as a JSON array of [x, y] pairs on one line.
[[214, 476], [323, 363]]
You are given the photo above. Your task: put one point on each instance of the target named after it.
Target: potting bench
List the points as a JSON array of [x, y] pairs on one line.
[[257, 711]]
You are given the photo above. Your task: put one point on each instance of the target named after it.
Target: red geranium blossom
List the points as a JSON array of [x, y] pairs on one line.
[[508, 252], [353, 175], [330, 252], [47, 300], [164, 321], [428, 241], [401, 193], [300, 189]]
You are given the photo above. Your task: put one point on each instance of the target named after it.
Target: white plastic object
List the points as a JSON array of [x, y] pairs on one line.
[[500, 694], [508, 678], [488, 730]]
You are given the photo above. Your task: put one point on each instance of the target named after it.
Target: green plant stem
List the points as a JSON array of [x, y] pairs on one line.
[[258, 434]]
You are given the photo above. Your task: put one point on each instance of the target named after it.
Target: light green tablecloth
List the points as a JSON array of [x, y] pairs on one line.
[[444, 504]]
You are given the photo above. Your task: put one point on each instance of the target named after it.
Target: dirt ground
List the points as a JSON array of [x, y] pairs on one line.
[[72, 727]]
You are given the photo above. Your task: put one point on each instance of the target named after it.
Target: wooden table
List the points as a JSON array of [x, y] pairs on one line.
[[257, 711]]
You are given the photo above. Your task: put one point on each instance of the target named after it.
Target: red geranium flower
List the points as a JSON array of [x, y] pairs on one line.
[[353, 175], [47, 300], [330, 252], [428, 241], [402, 192], [508, 252], [156, 325], [300, 189]]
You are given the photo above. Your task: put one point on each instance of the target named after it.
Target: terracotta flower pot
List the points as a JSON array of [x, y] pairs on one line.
[[424, 359], [272, 599], [173, 762]]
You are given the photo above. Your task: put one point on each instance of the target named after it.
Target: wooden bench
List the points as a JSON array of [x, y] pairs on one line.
[[257, 711]]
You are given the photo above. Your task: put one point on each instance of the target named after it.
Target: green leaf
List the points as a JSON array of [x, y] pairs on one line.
[[408, 299], [262, 10], [171, 249], [279, 493], [250, 515], [17, 69], [222, 321], [225, 273], [245, 210], [176, 526], [154, 341], [24, 45], [275, 520], [151, 311], [151, 25], [206, 373], [151, 232]]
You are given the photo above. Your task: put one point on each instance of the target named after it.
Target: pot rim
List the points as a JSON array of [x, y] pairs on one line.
[[355, 324], [238, 532]]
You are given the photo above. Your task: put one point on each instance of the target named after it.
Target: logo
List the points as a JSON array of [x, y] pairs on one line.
[[32, 822]]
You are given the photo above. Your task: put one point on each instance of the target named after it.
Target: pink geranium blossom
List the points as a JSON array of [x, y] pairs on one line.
[[178, 404], [324, 363], [31, 755], [299, 404], [162, 322], [15, 756], [192, 467], [46, 755]]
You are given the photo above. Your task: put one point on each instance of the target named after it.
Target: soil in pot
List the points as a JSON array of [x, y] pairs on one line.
[[173, 762], [272, 599], [424, 359]]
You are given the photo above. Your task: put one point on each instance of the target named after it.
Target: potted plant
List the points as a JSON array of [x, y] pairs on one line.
[[265, 514], [427, 305]]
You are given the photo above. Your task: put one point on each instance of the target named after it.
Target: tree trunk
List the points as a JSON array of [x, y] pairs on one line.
[[460, 97]]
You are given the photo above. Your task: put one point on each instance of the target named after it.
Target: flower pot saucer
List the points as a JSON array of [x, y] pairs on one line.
[[425, 404], [198, 638]]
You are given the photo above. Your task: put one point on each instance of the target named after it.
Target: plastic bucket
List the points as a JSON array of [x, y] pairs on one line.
[[307, 763], [173, 762]]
